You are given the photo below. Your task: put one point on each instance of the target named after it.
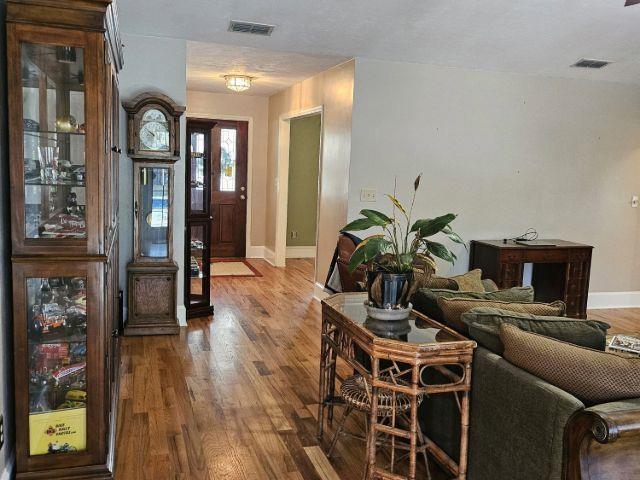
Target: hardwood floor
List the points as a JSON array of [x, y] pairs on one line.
[[234, 395]]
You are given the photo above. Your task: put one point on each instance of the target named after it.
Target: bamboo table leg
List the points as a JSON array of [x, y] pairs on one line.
[[464, 425], [413, 416], [373, 421]]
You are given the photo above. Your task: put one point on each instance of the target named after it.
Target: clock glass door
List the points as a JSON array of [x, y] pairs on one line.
[[152, 210], [154, 131]]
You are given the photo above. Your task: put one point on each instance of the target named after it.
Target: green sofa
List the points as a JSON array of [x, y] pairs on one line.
[[522, 427]]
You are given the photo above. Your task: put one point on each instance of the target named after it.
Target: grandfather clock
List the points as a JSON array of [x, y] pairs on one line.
[[153, 127]]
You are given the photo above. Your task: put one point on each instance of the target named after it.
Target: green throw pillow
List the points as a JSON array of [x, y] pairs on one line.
[[425, 300], [484, 328], [489, 285]]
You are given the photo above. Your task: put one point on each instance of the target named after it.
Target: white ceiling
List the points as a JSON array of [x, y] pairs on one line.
[[541, 37], [271, 70]]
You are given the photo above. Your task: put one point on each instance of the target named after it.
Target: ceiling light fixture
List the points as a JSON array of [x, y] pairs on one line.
[[238, 83]]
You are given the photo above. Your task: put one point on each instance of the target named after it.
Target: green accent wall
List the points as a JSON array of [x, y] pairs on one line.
[[302, 204]]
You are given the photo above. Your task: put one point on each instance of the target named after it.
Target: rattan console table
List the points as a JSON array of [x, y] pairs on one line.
[[390, 355]]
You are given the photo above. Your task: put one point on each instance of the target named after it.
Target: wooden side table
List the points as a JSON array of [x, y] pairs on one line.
[[410, 350], [560, 272]]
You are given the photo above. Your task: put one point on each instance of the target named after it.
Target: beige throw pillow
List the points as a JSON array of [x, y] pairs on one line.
[[470, 281], [590, 375], [453, 308]]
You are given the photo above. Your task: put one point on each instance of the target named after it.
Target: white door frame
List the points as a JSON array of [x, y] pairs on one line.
[[249, 120], [282, 179]]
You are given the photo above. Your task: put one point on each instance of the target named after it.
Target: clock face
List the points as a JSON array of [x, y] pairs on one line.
[[154, 132]]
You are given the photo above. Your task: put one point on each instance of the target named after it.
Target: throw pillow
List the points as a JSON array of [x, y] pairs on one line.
[[470, 281], [590, 375], [453, 308], [484, 328], [425, 300], [489, 285], [434, 281]]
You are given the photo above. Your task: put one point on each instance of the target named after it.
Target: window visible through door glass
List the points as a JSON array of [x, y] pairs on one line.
[[227, 160]]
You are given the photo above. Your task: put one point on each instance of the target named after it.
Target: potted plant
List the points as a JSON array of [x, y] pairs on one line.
[[392, 256]]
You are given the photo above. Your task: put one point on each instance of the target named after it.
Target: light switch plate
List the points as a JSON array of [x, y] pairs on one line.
[[368, 195], [634, 201]]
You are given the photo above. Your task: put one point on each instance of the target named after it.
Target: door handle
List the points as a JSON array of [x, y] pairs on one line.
[[242, 197], [242, 189]]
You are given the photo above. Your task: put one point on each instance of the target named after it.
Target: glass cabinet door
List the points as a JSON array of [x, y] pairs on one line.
[[197, 169], [153, 223], [56, 309], [53, 106]]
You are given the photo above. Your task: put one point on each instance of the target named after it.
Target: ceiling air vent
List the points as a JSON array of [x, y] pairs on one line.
[[250, 27], [589, 63]]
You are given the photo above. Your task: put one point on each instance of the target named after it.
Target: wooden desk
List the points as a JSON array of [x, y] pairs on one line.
[[560, 272]]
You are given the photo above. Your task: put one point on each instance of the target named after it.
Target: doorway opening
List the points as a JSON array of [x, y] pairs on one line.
[[299, 185], [302, 198]]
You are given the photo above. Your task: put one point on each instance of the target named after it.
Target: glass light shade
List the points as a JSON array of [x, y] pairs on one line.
[[238, 83]]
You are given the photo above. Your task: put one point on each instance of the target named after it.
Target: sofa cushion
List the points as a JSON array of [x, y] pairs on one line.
[[425, 300], [453, 308], [484, 328], [591, 375]]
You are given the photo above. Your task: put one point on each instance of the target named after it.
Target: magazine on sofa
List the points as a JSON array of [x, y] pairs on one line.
[[625, 343]]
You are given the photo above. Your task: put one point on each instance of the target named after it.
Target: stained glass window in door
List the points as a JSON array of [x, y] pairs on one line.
[[228, 156]]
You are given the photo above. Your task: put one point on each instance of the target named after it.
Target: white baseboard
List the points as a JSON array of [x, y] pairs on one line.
[[182, 315], [7, 473], [301, 252], [255, 251], [318, 292], [270, 256], [600, 300]]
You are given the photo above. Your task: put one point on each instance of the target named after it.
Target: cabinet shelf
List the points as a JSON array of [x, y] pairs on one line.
[[39, 183]]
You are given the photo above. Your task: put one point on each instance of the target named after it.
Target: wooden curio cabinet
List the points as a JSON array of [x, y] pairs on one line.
[[63, 60], [197, 245]]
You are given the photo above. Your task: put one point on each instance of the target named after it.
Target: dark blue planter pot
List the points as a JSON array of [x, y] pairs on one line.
[[389, 291]]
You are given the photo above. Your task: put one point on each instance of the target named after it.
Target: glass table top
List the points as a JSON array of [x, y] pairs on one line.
[[417, 329]]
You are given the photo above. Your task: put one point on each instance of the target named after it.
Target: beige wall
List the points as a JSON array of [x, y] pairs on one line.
[[333, 90], [222, 105], [505, 152]]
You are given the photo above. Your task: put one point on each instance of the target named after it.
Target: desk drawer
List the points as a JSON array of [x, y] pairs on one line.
[[512, 256], [546, 256]]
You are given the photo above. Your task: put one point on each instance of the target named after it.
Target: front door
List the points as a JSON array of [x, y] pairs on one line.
[[229, 189]]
